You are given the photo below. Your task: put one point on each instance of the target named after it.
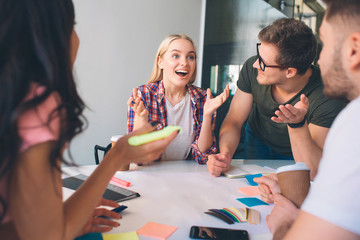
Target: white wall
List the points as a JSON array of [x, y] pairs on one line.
[[118, 43]]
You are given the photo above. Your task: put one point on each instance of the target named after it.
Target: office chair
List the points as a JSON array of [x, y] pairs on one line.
[[104, 149]]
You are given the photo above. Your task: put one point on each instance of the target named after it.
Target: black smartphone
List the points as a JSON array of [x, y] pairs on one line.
[[118, 210], [199, 232]]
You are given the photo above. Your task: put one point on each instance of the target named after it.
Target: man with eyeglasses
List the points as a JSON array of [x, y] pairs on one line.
[[280, 94], [331, 210]]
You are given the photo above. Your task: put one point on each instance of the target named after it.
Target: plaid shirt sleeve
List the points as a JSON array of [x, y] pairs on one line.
[[202, 157], [130, 119]]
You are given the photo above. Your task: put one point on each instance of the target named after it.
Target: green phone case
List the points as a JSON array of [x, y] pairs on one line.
[[152, 136]]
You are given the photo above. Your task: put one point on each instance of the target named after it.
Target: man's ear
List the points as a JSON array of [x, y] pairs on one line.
[[353, 51], [291, 72], [160, 62]]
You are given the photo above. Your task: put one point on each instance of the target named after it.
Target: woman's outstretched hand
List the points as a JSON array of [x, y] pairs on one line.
[[138, 106], [212, 104]]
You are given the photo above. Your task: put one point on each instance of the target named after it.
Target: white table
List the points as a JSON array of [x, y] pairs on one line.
[[179, 192]]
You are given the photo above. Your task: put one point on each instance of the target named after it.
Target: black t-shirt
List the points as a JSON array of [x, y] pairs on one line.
[[322, 111]]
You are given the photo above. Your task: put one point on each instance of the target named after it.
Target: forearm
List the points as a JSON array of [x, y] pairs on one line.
[[229, 137], [79, 207], [139, 122], [304, 148], [36, 196], [205, 138], [36, 203]]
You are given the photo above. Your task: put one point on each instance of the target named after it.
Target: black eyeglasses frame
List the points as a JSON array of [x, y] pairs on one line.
[[262, 64]]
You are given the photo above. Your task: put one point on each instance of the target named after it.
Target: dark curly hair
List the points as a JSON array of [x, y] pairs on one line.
[[35, 48], [295, 41]]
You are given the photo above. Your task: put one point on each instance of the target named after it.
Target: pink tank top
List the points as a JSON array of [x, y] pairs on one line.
[[34, 128]]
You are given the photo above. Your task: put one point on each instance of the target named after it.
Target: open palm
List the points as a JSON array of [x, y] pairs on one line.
[[292, 114], [212, 104]]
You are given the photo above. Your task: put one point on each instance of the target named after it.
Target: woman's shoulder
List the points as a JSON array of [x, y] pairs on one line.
[[150, 87], [197, 92], [42, 122]]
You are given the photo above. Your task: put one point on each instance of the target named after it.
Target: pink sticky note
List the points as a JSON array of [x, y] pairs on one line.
[[156, 230], [250, 191]]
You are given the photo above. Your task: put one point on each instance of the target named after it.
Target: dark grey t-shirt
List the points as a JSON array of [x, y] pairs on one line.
[[322, 111]]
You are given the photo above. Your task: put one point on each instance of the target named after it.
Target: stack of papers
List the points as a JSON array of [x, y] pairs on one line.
[[247, 169]]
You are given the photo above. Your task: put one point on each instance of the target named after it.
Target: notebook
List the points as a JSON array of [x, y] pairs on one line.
[[112, 192], [247, 169]]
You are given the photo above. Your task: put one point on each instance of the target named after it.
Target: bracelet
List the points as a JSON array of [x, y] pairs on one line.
[[297, 125]]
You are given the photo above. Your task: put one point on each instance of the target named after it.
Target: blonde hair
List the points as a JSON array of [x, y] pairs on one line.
[[157, 73]]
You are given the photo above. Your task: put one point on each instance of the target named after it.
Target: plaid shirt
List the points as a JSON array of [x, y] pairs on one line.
[[153, 97]]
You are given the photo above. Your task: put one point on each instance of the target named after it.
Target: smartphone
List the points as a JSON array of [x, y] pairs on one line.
[[118, 210], [199, 232]]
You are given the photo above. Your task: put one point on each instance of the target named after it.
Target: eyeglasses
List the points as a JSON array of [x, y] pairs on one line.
[[262, 63]]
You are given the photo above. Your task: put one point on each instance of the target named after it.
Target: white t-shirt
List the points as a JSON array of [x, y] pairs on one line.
[[335, 194], [180, 115]]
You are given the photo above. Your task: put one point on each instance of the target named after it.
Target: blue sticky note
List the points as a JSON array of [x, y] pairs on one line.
[[251, 202], [90, 236], [250, 178]]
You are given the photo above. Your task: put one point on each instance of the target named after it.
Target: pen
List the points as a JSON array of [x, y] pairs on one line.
[[120, 181]]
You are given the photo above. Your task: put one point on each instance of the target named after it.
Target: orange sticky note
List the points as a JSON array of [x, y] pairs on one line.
[[156, 230], [250, 191]]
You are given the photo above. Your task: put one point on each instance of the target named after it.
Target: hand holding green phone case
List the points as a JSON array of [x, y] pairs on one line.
[[152, 136]]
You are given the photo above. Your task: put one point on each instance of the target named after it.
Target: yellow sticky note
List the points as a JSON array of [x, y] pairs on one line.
[[121, 236]]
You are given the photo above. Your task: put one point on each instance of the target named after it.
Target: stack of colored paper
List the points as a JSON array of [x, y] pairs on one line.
[[233, 215]]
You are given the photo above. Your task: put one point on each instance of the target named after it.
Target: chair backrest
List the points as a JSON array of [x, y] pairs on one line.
[[104, 149]]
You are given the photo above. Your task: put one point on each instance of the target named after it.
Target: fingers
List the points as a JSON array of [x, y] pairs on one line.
[[304, 100], [100, 224], [153, 150], [144, 129], [277, 120], [103, 212], [208, 94], [286, 112], [217, 164], [289, 113], [109, 203], [265, 191], [270, 182], [99, 229], [227, 91], [265, 180], [224, 95], [130, 102], [135, 95]]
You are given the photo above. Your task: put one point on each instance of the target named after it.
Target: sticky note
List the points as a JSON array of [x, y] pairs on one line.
[[121, 236], [250, 178], [250, 191], [90, 236], [156, 230], [251, 202]]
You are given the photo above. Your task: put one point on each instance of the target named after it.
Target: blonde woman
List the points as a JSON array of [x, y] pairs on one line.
[[170, 98]]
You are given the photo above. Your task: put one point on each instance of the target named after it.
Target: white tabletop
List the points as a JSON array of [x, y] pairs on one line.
[[178, 193]]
